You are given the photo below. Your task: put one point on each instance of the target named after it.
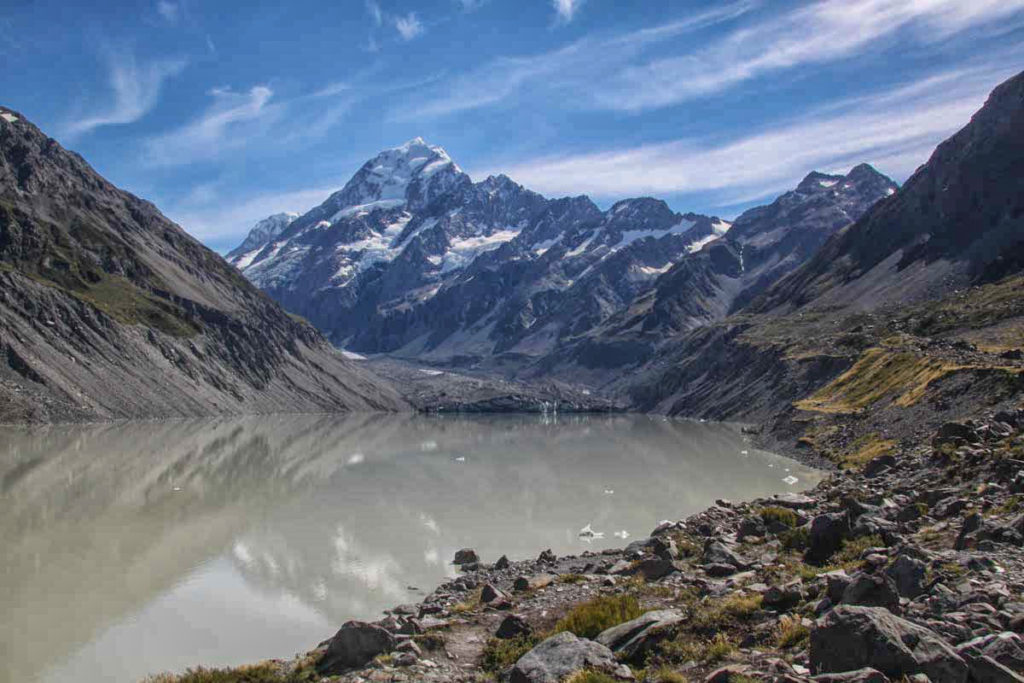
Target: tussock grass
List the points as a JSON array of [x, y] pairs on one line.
[[588, 619]]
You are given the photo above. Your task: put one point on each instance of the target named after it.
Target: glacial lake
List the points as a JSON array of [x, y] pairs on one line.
[[131, 549]]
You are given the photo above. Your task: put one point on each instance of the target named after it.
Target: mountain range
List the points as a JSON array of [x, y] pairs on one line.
[[413, 259]]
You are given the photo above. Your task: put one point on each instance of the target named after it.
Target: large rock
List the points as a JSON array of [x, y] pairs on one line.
[[632, 640], [466, 556], [716, 552], [853, 637], [562, 655], [513, 626], [908, 574], [872, 590], [355, 644], [827, 534], [1006, 648]]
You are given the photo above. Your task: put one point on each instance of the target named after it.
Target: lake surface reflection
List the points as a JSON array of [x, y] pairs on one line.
[[136, 548]]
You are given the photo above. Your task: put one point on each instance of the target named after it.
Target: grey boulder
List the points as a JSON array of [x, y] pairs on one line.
[[632, 640], [852, 637], [355, 644], [562, 655]]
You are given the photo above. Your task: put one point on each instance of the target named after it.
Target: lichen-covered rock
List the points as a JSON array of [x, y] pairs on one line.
[[355, 644], [562, 655]]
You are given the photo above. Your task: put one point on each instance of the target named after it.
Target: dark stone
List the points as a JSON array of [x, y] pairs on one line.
[[654, 568], [466, 556], [783, 598], [513, 626], [827, 534], [853, 637], [548, 557], [355, 644], [489, 593], [502, 563], [908, 574], [872, 590]]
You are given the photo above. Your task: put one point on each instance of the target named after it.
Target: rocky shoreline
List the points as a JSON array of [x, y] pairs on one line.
[[907, 569]]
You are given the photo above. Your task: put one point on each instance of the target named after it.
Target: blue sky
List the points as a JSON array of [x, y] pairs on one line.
[[224, 112]]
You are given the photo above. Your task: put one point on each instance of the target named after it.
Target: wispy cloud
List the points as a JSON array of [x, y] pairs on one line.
[[631, 72], [408, 26], [170, 11], [375, 12], [896, 130], [231, 120], [575, 67], [565, 10], [822, 32], [136, 90]]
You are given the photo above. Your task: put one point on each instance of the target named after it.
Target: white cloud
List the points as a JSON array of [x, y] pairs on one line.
[[566, 9], [896, 130], [170, 11], [229, 123], [620, 74], [408, 26], [575, 67], [822, 32], [136, 88], [373, 8]]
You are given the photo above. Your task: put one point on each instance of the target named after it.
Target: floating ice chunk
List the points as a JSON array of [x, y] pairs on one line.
[[609, 492], [586, 531], [744, 452], [622, 534], [428, 446], [790, 480], [461, 458], [356, 458]]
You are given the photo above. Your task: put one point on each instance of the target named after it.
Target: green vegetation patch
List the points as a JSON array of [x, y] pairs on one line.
[[588, 619], [266, 672]]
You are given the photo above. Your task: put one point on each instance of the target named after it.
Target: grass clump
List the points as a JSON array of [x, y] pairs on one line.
[[740, 606], [849, 554], [499, 654], [791, 632], [588, 619], [572, 578], [795, 539], [782, 515]]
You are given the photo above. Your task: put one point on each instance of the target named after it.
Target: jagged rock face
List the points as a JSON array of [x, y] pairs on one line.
[[108, 309], [412, 257], [725, 272], [958, 220]]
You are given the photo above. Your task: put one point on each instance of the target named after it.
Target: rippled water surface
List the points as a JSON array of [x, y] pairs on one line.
[[137, 548]]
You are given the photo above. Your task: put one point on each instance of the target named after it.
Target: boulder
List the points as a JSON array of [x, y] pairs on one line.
[[562, 655], [783, 598], [835, 585], [796, 501], [355, 644], [1007, 648], [489, 593], [513, 626], [632, 640], [502, 562], [716, 552], [523, 583], [853, 637], [751, 526], [872, 590], [547, 557], [908, 574], [654, 568], [466, 556], [828, 531]]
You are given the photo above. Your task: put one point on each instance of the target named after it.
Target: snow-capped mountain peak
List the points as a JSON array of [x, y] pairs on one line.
[[262, 233]]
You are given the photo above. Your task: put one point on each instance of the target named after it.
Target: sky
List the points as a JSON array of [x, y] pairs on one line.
[[222, 113]]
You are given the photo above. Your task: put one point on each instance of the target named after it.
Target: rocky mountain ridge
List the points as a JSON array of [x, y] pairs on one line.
[[110, 310], [411, 258]]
